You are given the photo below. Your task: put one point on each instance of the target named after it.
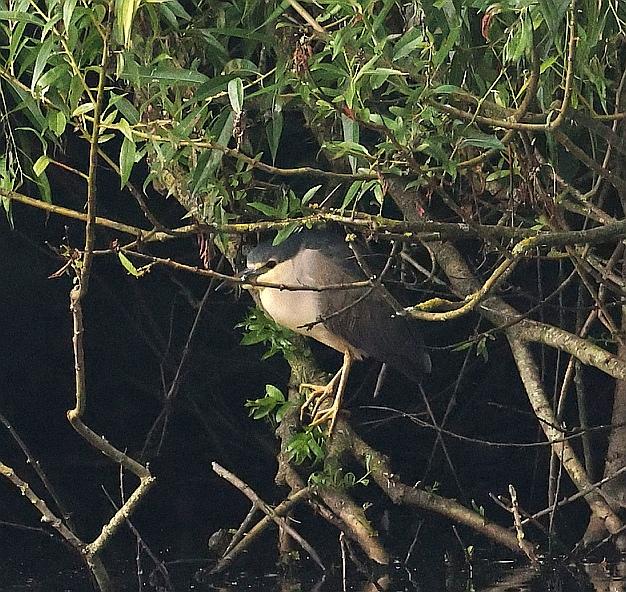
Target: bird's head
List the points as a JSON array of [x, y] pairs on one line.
[[266, 257]]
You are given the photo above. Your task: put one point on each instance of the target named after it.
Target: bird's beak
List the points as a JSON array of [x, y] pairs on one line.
[[251, 273]]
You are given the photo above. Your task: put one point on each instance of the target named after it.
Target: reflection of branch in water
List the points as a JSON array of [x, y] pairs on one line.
[[607, 578], [518, 579]]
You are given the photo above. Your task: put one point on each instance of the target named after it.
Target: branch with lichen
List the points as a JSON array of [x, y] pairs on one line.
[[48, 517], [498, 312], [77, 296], [346, 515]]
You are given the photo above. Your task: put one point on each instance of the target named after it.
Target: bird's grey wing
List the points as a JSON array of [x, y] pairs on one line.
[[366, 319]]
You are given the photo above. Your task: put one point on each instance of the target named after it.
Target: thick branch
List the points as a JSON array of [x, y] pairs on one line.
[[582, 349], [412, 230], [403, 494], [499, 312], [563, 450]]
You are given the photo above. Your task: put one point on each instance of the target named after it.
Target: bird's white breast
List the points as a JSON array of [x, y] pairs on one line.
[[291, 308], [300, 310]]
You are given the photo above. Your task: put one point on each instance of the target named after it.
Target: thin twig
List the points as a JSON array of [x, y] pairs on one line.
[[47, 516], [243, 528], [524, 545], [280, 510], [33, 462], [281, 522]]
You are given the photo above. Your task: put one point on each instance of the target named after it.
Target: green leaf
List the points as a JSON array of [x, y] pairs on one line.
[[40, 165], [252, 339], [50, 77], [162, 73], [68, 12], [82, 109], [446, 89], [274, 392], [43, 56], [547, 63], [126, 108], [285, 233], [124, 15], [306, 445], [20, 16], [273, 401], [351, 138], [57, 122], [405, 48], [31, 108], [341, 149], [274, 132], [241, 67], [216, 156], [44, 187], [483, 142], [214, 44], [379, 193], [553, 12], [499, 174], [127, 264], [126, 130], [350, 194], [269, 211], [282, 409], [178, 9], [309, 194], [463, 346], [235, 94], [481, 349], [127, 160], [446, 47]]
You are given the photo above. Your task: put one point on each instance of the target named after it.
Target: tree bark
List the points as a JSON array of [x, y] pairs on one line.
[[499, 313], [614, 490]]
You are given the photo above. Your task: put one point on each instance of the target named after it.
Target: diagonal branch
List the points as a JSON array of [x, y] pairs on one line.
[[499, 312]]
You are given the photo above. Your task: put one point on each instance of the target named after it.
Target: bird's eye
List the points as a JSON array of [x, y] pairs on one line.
[[271, 264]]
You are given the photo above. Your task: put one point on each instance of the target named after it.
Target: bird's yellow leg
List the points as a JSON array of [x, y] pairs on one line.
[[318, 393], [321, 416]]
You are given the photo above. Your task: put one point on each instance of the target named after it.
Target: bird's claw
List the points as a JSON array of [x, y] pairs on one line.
[[313, 404], [326, 415]]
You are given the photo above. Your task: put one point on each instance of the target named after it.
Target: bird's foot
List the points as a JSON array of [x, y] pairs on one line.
[[327, 415], [314, 404]]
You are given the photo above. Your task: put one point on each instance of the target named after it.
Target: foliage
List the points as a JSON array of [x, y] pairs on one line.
[[499, 117], [261, 329], [481, 346], [379, 84], [338, 477], [308, 445], [273, 405]]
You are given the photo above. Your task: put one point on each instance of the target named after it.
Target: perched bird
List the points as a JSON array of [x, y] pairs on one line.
[[359, 322]]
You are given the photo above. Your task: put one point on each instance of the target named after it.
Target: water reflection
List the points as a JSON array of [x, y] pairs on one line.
[[186, 575], [484, 577], [607, 577], [518, 579]]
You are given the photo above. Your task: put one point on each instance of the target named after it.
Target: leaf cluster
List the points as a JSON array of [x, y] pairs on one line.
[[186, 83], [259, 328], [272, 406], [338, 478]]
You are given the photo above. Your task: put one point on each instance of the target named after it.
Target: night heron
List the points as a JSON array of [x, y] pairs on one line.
[[359, 322]]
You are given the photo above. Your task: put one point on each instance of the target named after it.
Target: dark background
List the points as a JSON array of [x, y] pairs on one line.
[[136, 330]]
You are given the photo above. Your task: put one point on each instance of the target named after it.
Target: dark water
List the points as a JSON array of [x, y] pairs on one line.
[[29, 570]]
